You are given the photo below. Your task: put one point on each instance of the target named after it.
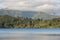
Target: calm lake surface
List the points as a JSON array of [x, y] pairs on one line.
[[30, 34]]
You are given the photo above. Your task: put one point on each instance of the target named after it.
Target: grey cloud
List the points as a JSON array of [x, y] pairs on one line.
[[34, 5]]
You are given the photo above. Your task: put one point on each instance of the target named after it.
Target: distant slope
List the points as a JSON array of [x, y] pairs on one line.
[[18, 13], [30, 14], [43, 15]]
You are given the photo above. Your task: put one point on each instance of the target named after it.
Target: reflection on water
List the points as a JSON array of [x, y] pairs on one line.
[[27, 36], [30, 34], [46, 37]]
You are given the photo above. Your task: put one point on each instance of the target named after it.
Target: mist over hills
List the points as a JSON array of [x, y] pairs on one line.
[[18, 13], [43, 15], [10, 19], [29, 14]]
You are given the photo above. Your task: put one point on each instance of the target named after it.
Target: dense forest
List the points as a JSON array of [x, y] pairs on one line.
[[7, 21]]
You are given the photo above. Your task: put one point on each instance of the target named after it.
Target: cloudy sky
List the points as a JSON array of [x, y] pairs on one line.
[[34, 5]]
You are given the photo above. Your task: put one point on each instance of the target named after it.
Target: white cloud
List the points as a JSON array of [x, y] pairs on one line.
[[49, 8], [46, 7], [39, 5]]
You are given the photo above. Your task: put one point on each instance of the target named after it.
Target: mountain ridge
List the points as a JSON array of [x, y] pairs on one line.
[[29, 14]]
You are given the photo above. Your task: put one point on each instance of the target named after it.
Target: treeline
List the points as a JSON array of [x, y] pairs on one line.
[[7, 21]]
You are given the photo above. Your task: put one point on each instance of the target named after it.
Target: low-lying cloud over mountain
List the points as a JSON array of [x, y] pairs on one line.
[[32, 5], [29, 14]]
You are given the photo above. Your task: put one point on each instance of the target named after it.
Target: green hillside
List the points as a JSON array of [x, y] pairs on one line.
[[7, 21]]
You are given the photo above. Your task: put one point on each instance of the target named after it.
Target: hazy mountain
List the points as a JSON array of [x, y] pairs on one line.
[[43, 15], [31, 14], [18, 13]]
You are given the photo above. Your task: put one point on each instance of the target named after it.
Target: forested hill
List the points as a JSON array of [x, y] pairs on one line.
[[7, 21]]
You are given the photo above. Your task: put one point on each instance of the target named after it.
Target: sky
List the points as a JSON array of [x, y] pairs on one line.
[[32, 5]]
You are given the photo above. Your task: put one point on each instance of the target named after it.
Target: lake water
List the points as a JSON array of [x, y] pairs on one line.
[[30, 34]]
